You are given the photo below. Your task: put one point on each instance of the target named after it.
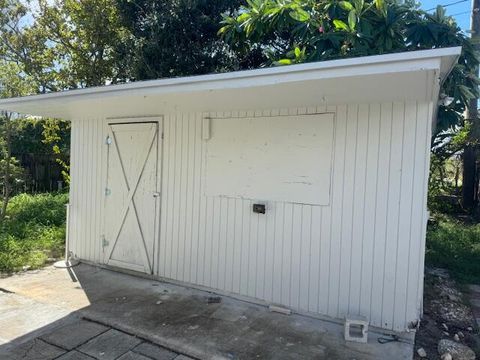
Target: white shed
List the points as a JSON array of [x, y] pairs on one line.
[[303, 186]]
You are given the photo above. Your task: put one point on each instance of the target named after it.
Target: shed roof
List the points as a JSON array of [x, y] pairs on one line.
[[414, 75]]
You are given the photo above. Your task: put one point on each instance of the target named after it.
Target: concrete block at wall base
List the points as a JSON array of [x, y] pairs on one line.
[[356, 328]]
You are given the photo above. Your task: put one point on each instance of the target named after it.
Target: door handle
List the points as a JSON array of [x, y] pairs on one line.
[[156, 194]]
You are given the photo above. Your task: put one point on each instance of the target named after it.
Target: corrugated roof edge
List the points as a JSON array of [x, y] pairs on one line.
[[453, 52]]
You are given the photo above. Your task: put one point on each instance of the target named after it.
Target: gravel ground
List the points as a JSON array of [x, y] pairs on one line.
[[447, 315]]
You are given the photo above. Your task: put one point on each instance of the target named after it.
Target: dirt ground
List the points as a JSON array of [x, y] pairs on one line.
[[446, 313]]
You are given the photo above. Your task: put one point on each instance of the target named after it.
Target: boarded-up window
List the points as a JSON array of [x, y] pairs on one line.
[[282, 158]]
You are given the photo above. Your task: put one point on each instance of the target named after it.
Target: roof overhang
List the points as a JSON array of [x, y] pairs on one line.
[[407, 76]]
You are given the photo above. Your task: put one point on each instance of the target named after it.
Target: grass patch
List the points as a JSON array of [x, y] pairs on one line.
[[454, 245], [33, 231]]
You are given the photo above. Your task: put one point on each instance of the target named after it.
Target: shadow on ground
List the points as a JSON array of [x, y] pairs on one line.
[[121, 312]]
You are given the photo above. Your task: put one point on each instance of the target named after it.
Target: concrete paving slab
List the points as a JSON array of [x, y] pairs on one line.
[[154, 352], [183, 357], [109, 345], [186, 323], [133, 356], [72, 335], [21, 315], [35, 349], [182, 320], [74, 355], [228, 313], [58, 287]]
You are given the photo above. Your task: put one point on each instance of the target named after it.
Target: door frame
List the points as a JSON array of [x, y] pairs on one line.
[[159, 120]]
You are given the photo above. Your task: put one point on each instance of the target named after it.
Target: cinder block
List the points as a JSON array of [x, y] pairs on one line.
[[356, 328]]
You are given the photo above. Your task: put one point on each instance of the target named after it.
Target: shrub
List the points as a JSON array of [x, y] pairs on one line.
[[454, 245], [33, 231]]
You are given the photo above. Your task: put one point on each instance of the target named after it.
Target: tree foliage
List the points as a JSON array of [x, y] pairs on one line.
[[174, 38], [83, 36], [56, 134], [27, 48], [11, 85], [62, 44], [51, 46]]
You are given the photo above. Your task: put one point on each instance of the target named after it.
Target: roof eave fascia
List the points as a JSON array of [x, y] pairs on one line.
[[388, 64]]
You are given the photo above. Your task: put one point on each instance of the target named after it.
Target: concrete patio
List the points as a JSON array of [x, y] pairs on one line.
[[93, 313]]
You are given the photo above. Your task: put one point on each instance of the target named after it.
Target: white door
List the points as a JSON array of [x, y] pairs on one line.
[[131, 195]]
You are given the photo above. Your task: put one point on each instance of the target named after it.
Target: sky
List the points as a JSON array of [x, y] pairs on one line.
[[460, 9]]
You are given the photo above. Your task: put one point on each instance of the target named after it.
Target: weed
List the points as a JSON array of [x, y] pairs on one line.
[[33, 231], [454, 245]]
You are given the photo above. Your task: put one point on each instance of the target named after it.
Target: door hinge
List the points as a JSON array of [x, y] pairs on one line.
[[108, 140], [104, 241], [107, 191], [162, 135]]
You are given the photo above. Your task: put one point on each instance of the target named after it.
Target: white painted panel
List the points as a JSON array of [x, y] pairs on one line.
[[393, 213], [405, 215], [278, 218], [271, 158], [86, 188], [358, 205], [417, 239], [130, 202], [337, 212], [362, 253], [370, 209], [347, 209], [381, 215]]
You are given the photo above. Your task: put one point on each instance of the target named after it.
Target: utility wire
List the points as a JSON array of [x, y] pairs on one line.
[[450, 4], [461, 13]]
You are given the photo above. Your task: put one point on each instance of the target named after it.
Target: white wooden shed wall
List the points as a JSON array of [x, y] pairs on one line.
[[362, 254]]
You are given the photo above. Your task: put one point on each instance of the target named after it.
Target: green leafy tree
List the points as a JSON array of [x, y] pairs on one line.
[[65, 44], [11, 85], [37, 138], [174, 38], [27, 136], [55, 133], [27, 46], [83, 37]]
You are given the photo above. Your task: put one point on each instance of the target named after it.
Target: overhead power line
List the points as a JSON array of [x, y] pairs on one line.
[[461, 13], [450, 4]]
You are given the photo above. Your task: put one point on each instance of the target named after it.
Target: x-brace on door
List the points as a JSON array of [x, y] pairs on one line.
[[131, 195]]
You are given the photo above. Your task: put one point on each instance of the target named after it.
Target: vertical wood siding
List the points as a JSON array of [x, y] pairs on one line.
[[362, 254], [87, 186]]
